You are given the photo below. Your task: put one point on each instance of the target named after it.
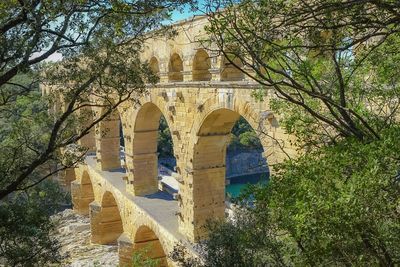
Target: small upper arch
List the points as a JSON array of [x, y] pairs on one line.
[[175, 68], [229, 71], [201, 66], [154, 65]]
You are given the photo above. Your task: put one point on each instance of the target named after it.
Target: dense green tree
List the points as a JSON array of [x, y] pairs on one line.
[[319, 56], [165, 147], [244, 137], [332, 67], [340, 204], [95, 39], [26, 232]]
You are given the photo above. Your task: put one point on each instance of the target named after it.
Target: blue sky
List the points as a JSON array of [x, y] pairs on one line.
[[187, 12], [176, 16]]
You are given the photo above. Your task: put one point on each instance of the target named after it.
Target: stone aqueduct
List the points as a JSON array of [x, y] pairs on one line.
[[201, 97]]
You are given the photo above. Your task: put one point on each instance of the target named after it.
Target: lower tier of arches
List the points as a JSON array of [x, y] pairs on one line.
[[146, 227]]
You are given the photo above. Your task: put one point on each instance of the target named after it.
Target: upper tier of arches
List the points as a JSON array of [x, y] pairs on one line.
[[199, 66], [190, 56]]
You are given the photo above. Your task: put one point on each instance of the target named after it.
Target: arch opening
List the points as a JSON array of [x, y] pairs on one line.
[[175, 68], [149, 145], [210, 161], [201, 66], [110, 145], [230, 72], [165, 149], [147, 244], [105, 221], [245, 161]]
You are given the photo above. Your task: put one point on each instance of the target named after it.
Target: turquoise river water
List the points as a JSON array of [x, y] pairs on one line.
[[238, 183]]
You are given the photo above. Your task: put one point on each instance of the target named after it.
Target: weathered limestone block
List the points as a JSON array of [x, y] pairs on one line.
[[89, 142], [66, 177], [108, 143], [143, 179], [203, 199], [82, 195], [125, 250], [108, 153]]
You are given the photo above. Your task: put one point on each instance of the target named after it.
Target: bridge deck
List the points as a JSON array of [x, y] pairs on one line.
[[160, 206]]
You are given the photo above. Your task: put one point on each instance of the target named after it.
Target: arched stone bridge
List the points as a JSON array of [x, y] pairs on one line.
[[201, 97]]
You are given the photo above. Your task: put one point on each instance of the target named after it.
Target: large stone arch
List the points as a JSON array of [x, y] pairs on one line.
[[147, 243], [105, 220], [142, 160], [82, 193], [202, 193], [257, 113], [201, 66], [175, 68]]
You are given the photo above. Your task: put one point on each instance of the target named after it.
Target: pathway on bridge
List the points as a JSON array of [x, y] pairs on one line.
[[159, 206]]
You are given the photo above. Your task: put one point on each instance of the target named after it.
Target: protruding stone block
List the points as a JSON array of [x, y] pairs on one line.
[[66, 177], [82, 195], [125, 250]]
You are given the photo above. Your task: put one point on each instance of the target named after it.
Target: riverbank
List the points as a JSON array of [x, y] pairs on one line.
[[73, 233]]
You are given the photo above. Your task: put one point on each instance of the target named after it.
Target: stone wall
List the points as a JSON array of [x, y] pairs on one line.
[[237, 163]]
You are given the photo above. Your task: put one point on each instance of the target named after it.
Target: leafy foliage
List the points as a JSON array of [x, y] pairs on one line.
[[95, 39], [25, 128], [340, 204], [164, 144], [332, 67], [325, 69], [26, 228], [333, 207], [140, 258], [243, 137]]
